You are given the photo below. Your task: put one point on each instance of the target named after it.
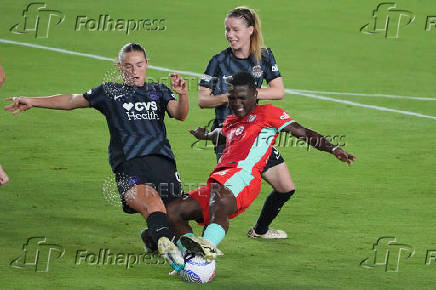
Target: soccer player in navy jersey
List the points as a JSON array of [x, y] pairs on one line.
[[236, 180], [246, 53], [139, 151]]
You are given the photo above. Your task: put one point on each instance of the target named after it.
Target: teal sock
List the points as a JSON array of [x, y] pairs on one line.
[[179, 244], [214, 233]]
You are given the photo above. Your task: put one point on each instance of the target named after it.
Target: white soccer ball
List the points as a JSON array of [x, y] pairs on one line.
[[198, 270]]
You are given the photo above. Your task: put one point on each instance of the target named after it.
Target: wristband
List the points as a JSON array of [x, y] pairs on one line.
[[334, 148]]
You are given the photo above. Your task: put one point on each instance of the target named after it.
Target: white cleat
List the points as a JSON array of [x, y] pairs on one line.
[[200, 246], [270, 234], [171, 253]]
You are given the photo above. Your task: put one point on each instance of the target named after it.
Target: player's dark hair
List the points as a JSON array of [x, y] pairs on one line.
[[242, 78], [250, 18], [129, 47]]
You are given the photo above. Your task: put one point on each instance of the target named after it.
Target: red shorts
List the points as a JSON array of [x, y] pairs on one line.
[[245, 188]]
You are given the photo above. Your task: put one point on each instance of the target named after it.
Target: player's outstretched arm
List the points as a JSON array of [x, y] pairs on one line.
[[57, 102], [319, 142], [276, 90], [204, 134], [179, 109], [208, 100]]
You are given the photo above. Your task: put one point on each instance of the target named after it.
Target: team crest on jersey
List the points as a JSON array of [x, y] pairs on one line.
[[239, 131], [153, 95], [251, 118], [257, 71]]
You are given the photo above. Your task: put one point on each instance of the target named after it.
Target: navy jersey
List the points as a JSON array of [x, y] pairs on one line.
[[135, 121], [225, 64]]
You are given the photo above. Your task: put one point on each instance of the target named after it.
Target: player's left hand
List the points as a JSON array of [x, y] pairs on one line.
[[343, 156], [200, 133], [178, 84]]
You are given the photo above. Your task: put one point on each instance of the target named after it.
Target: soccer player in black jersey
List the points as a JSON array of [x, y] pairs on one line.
[[139, 152], [246, 53]]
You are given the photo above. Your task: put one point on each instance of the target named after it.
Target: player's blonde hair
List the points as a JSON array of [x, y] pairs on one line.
[[251, 18]]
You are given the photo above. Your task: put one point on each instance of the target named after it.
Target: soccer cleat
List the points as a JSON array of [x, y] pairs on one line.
[[171, 253], [200, 246], [149, 246], [270, 234]]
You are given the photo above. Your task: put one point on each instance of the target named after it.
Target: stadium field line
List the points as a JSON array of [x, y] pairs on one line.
[[305, 93]]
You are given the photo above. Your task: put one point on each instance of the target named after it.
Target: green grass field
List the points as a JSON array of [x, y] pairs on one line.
[[57, 161]]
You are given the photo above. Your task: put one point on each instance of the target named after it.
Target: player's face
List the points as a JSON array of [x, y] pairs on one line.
[[242, 100], [133, 67], [238, 33]]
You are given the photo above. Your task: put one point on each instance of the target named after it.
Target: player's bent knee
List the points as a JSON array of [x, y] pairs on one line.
[[225, 204]]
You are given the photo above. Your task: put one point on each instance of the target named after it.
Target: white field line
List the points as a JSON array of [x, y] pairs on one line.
[[306, 93], [368, 95], [346, 102]]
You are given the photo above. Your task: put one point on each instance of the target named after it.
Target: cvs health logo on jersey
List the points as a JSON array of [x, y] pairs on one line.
[[141, 111]]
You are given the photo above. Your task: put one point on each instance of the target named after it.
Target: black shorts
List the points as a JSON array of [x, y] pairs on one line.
[[154, 170], [274, 159]]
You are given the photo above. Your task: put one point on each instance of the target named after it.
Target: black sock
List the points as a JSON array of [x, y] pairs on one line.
[[271, 209], [158, 226], [148, 240]]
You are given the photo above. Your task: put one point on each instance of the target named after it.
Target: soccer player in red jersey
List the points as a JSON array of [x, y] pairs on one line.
[[247, 52], [236, 180]]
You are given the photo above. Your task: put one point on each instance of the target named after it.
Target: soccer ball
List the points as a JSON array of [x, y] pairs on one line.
[[198, 270]]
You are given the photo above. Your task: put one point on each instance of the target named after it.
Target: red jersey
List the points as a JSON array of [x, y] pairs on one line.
[[250, 138]]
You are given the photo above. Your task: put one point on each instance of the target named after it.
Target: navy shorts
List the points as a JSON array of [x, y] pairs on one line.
[[157, 171], [274, 159]]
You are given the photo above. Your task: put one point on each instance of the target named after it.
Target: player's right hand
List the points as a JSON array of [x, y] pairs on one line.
[[200, 133], [20, 104], [3, 177], [344, 156]]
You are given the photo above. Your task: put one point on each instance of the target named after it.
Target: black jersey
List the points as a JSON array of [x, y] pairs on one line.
[[225, 64], [135, 121]]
